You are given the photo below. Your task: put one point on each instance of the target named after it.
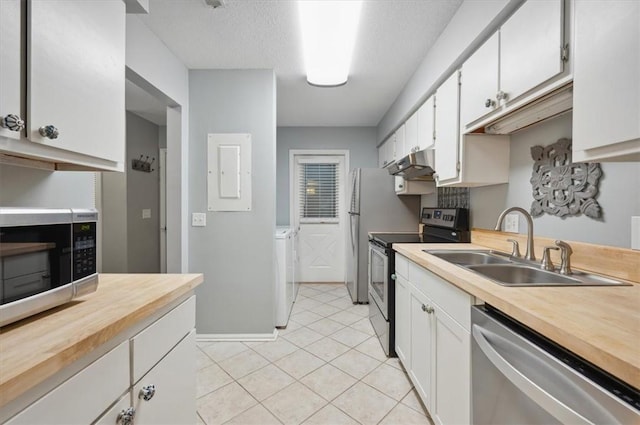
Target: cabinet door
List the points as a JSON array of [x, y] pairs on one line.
[[403, 323], [411, 134], [381, 154], [447, 131], [422, 342], [606, 87], [76, 75], [111, 416], [10, 63], [479, 82], [400, 149], [426, 116], [174, 388], [452, 371], [531, 46]]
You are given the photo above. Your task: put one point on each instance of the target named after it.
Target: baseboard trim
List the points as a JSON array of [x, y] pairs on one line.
[[237, 337]]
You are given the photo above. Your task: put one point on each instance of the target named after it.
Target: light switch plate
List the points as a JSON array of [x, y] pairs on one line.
[[198, 219], [511, 223], [146, 213]]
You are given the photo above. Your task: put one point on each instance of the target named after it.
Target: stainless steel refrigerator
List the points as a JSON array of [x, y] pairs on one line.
[[373, 207]]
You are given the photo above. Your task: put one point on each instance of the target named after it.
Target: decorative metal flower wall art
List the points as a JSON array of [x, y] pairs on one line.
[[561, 187]]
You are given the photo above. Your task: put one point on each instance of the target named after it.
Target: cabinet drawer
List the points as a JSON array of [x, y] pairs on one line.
[[82, 398], [154, 342], [450, 298], [402, 266], [20, 265], [111, 415]]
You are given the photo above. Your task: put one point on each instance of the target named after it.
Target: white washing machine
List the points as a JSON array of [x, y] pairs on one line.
[[286, 287]]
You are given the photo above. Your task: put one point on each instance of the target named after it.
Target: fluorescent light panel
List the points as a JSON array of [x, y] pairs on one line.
[[329, 29]]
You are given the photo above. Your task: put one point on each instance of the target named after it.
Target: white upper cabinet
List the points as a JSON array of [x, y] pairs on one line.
[[386, 152], [480, 79], [401, 149], [411, 134], [426, 117], [531, 43], [466, 160], [606, 81], [10, 67], [526, 52], [75, 112], [447, 134]]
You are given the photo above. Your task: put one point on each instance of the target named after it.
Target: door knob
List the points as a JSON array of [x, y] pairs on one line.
[[12, 122], [49, 131]]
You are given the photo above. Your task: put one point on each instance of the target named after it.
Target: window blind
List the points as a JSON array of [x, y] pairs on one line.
[[319, 190]]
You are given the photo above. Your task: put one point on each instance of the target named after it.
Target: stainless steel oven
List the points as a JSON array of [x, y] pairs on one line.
[[442, 225], [47, 258]]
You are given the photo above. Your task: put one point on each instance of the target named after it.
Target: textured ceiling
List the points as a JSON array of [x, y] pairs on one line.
[[393, 38]]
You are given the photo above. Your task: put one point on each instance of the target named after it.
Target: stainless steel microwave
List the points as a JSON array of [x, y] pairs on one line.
[[47, 258]]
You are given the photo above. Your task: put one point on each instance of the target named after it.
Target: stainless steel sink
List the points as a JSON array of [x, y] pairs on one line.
[[521, 275], [467, 258], [511, 271]]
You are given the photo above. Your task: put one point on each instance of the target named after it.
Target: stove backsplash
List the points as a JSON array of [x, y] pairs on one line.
[[454, 197]]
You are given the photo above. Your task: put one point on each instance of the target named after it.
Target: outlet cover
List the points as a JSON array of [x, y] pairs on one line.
[[146, 213], [198, 219], [511, 223]]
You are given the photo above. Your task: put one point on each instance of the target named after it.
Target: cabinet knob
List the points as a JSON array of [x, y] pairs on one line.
[[502, 96], [427, 309], [393, 276], [125, 417], [400, 186], [489, 103], [12, 122], [146, 393], [49, 131]]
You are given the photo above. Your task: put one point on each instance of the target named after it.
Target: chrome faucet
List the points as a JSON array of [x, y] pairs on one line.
[[529, 255]]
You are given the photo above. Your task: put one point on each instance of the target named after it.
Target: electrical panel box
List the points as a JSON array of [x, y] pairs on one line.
[[229, 172]]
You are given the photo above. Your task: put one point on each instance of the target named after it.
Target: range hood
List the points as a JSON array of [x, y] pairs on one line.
[[544, 108], [415, 166]]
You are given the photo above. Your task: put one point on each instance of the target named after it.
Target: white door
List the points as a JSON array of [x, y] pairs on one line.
[[318, 207]]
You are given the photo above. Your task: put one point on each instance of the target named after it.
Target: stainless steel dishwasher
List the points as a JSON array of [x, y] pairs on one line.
[[520, 377]]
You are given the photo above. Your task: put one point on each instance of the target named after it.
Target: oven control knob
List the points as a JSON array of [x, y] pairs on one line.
[[393, 276]]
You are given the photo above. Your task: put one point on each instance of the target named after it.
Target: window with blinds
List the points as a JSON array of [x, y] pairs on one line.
[[319, 192]]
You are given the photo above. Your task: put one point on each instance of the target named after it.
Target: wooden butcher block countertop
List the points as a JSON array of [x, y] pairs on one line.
[[36, 348], [600, 324]]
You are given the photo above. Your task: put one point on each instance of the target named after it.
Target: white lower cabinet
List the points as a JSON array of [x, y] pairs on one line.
[[163, 353], [436, 321], [167, 394], [421, 346]]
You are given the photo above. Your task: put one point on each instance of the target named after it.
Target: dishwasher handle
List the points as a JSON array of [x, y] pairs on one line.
[[545, 400]]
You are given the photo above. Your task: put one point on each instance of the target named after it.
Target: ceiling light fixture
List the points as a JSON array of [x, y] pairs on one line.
[[329, 29]]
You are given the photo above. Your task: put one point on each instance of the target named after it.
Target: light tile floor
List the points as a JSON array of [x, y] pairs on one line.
[[325, 368]]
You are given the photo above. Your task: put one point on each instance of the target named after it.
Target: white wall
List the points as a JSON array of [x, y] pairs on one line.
[[471, 25], [619, 195], [359, 141], [235, 250]]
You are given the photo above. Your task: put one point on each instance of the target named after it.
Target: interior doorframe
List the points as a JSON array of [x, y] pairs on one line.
[[163, 209]]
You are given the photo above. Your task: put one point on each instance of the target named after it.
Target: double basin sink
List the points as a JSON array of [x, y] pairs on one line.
[[511, 271]]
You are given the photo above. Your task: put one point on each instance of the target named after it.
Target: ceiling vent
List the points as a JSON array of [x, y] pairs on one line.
[[544, 108]]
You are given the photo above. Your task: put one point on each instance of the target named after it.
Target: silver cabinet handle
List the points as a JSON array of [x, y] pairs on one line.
[[489, 103], [427, 309], [125, 417], [49, 131], [147, 392], [393, 276], [12, 122]]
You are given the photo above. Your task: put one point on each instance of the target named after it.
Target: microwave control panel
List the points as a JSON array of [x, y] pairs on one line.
[[84, 249]]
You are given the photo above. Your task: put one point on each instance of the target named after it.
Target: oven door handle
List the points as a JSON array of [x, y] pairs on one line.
[[545, 400]]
